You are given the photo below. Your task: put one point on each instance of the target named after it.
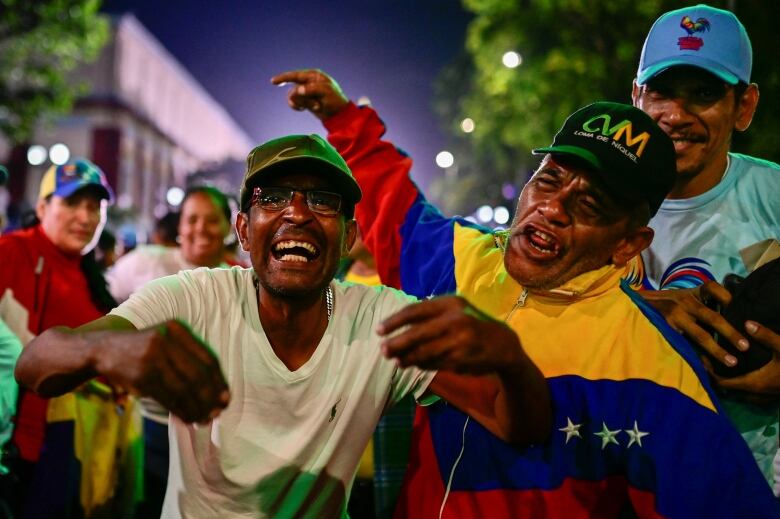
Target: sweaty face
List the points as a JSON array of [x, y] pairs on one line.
[[699, 112], [565, 225], [202, 230], [295, 251], [74, 223]]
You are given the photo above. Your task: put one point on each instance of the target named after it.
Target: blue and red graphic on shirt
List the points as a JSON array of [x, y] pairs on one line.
[[686, 273]]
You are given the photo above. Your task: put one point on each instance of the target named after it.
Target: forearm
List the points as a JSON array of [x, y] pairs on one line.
[[57, 361], [522, 405], [383, 174]]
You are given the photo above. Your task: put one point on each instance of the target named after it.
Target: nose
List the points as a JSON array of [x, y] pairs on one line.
[[298, 210], [555, 209], [673, 113]]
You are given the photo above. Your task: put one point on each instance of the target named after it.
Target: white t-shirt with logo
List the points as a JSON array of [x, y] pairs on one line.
[[289, 443], [699, 239]]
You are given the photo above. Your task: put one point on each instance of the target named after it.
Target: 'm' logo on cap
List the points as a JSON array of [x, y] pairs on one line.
[[619, 131], [691, 42]]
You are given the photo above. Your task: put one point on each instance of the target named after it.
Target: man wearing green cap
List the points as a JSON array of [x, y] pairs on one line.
[[277, 375], [636, 426], [723, 213]]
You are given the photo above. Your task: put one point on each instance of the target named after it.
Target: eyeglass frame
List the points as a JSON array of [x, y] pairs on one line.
[[257, 191]]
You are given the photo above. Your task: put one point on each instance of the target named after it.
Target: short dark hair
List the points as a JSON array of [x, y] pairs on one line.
[[215, 194]]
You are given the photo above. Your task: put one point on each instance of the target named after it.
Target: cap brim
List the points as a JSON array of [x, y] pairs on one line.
[[68, 190], [575, 151], [694, 61]]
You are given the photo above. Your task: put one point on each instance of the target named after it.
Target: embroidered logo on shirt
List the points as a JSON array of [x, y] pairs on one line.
[[334, 410]]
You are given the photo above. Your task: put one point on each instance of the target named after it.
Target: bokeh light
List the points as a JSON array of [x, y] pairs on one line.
[[174, 196], [445, 159], [511, 59], [36, 155], [485, 214], [59, 154]]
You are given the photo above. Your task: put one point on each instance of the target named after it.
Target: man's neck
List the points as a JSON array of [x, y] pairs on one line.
[[689, 186], [294, 326]]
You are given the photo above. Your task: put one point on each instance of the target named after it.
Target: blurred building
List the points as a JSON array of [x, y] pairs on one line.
[[145, 121]]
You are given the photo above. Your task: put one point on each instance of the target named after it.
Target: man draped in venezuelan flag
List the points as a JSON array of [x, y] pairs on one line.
[[636, 424]]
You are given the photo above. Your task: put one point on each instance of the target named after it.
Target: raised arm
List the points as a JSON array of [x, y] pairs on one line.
[[483, 370], [409, 238], [166, 362]]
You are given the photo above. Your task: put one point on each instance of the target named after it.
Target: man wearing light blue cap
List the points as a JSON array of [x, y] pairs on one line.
[[724, 210]]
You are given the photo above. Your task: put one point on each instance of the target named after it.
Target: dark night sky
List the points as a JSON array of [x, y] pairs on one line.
[[389, 51]]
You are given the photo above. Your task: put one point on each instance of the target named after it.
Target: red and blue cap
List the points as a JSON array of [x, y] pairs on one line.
[[66, 179], [700, 36]]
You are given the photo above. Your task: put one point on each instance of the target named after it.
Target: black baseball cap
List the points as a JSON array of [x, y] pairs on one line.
[[631, 155], [275, 155]]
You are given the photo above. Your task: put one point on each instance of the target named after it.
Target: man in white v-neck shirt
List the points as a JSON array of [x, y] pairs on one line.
[[276, 376]]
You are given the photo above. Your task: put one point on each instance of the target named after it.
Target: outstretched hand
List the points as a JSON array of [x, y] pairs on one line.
[[685, 310], [170, 364], [448, 333], [312, 90]]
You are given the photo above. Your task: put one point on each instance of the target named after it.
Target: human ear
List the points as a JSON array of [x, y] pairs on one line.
[[40, 208], [636, 91], [746, 107], [631, 245], [242, 229], [350, 236]]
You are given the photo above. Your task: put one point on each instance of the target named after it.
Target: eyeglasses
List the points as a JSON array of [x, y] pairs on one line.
[[279, 198]]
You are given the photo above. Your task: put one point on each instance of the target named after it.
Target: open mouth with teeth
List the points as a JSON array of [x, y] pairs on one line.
[[293, 250], [542, 242]]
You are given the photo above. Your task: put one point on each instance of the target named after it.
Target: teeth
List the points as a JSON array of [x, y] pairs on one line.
[[543, 236], [290, 244], [546, 251], [293, 257]]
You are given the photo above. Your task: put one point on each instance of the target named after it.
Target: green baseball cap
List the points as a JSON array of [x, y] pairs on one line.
[[631, 155], [301, 150]]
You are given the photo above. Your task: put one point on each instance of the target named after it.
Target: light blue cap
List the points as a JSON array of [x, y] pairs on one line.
[[700, 36]]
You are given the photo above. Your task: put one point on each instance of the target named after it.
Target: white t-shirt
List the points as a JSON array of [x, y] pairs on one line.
[[698, 239], [289, 443], [141, 265]]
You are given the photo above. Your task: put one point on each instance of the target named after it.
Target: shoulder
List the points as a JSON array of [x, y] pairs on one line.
[[754, 164], [355, 298]]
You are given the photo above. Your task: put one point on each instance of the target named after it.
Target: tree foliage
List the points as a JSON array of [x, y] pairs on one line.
[[574, 52], [40, 42]]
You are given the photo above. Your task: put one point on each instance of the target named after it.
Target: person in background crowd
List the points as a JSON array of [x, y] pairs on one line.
[[637, 428], [166, 230], [105, 250], [309, 364], [75, 453], [203, 224], [694, 81]]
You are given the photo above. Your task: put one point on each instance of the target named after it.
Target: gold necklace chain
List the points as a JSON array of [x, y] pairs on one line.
[[328, 297]]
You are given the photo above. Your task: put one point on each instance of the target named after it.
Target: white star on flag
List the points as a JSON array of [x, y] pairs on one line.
[[636, 435], [571, 430], [607, 436]]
